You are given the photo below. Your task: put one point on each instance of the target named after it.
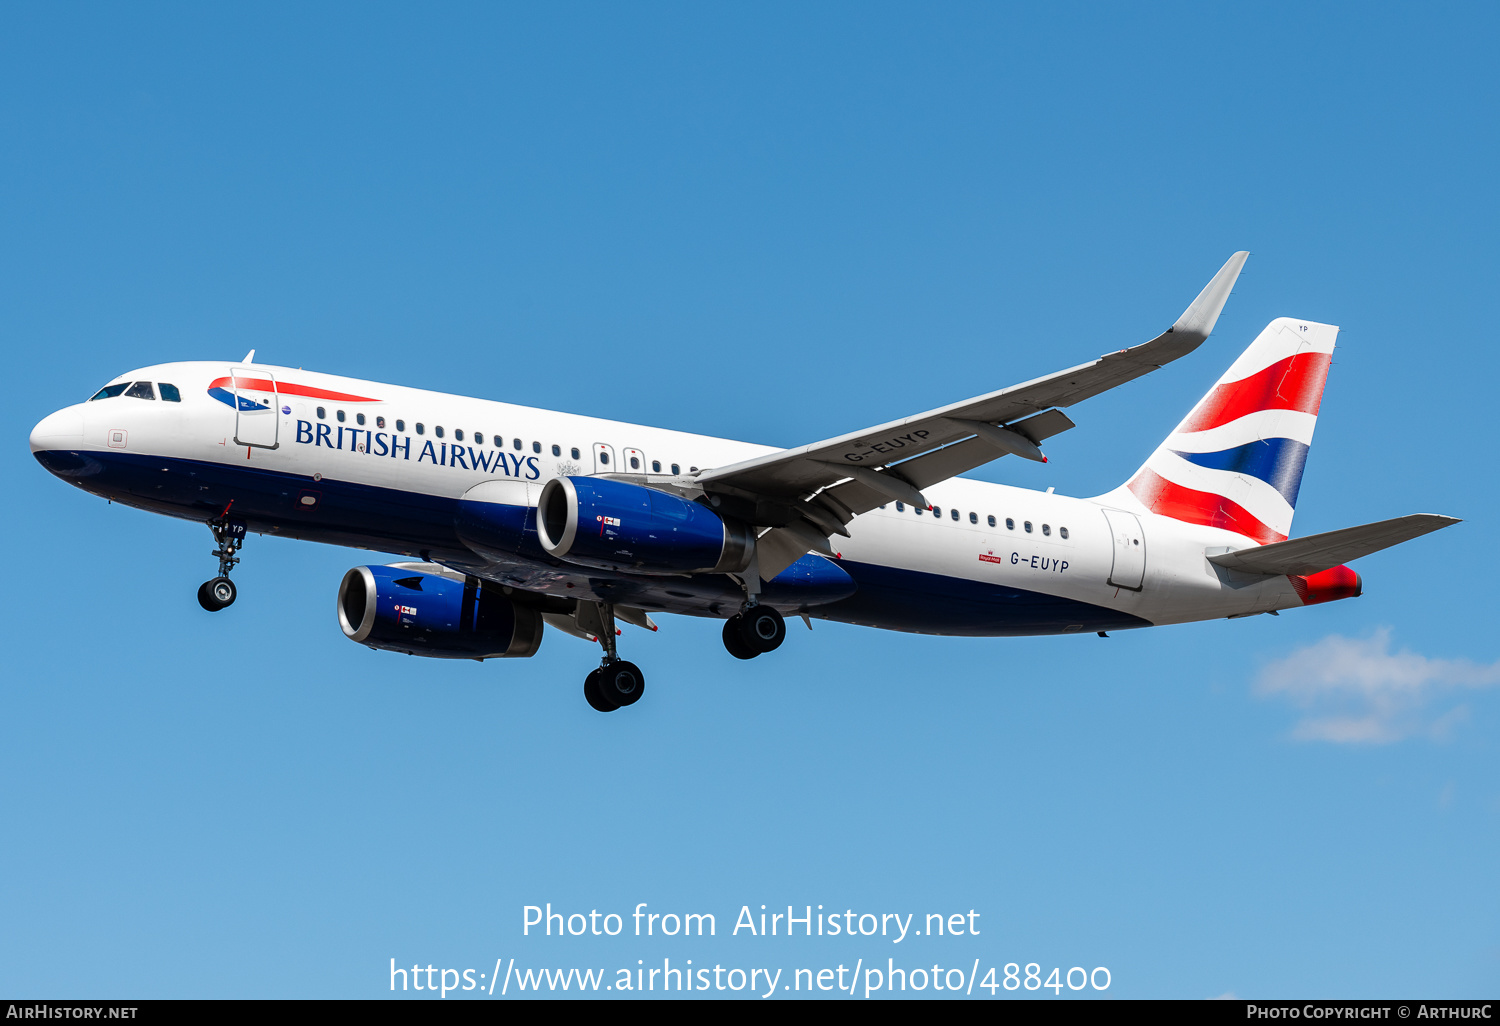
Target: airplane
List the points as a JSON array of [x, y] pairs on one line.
[[515, 519]]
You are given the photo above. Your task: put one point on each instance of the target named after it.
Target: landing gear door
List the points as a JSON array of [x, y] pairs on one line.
[[604, 459], [255, 407], [1129, 568]]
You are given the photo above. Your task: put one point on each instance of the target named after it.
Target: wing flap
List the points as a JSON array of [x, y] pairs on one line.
[[780, 547], [1318, 552]]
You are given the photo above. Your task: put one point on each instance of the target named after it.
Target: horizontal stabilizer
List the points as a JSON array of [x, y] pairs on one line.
[[1318, 552]]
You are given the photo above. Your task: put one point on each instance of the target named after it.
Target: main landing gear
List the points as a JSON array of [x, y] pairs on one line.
[[617, 682], [756, 630], [220, 592]]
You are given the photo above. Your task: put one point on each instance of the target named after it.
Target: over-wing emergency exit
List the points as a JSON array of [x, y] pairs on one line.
[[514, 519]]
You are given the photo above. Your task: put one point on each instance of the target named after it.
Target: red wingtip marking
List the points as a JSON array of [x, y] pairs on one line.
[[1044, 459]]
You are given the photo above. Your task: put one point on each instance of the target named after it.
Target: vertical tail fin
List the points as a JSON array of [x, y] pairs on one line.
[[1236, 461]]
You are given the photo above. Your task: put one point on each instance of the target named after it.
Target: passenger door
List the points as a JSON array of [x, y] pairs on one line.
[[255, 407], [1129, 567]]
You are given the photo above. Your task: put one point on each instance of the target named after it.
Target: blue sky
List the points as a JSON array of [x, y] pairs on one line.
[[774, 223]]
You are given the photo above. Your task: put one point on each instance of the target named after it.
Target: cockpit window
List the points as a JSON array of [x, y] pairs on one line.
[[141, 390], [169, 393], [110, 391]]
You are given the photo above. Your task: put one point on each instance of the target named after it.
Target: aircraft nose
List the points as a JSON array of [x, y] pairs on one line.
[[60, 430]]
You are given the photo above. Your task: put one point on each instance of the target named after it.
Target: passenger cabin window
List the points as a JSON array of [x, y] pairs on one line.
[[1010, 525], [536, 446], [110, 391], [992, 520], [517, 443], [676, 469], [438, 431], [954, 513], [937, 511], [1047, 530], [479, 438], [635, 463], [340, 416], [656, 466], [359, 418], [604, 458], [1064, 532], [400, 424], [900, 507], [322, 415], [574, 451], [458, 434], [380, 422], [557, 450], [169, 393], [420, 429], [141, 390], [1028, 527], [973, 518]]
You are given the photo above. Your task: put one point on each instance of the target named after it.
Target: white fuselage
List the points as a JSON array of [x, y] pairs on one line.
[[979, 534]]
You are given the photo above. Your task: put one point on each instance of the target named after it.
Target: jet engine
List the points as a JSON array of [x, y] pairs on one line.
[[616, 525], [423, 609]]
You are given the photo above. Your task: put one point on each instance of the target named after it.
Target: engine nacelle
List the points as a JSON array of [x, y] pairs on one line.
[[616, 525], [427, 611]]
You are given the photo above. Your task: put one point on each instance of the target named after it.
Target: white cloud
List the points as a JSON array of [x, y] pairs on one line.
[[1357, 691]]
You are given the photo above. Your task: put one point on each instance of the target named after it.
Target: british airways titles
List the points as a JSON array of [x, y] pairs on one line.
[[380, 443]]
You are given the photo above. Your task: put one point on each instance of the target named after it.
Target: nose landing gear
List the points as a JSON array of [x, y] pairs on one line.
[[617, 682], [220, 592]]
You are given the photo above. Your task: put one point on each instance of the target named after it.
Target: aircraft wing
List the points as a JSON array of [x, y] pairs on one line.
[[1319, 552], [808, 493]]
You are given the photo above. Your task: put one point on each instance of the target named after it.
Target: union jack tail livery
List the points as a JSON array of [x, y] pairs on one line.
[[1235, 462]]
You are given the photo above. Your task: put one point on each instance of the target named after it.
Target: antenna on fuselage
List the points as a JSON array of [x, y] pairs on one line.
[[249, 357]]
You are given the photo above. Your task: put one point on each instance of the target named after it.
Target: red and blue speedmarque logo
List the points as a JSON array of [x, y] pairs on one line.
[[223, 389]]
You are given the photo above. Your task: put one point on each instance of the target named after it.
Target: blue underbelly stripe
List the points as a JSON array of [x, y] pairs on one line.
[[422, 525]]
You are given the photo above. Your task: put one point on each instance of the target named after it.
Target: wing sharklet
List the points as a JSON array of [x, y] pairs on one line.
[[1203, 313]]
